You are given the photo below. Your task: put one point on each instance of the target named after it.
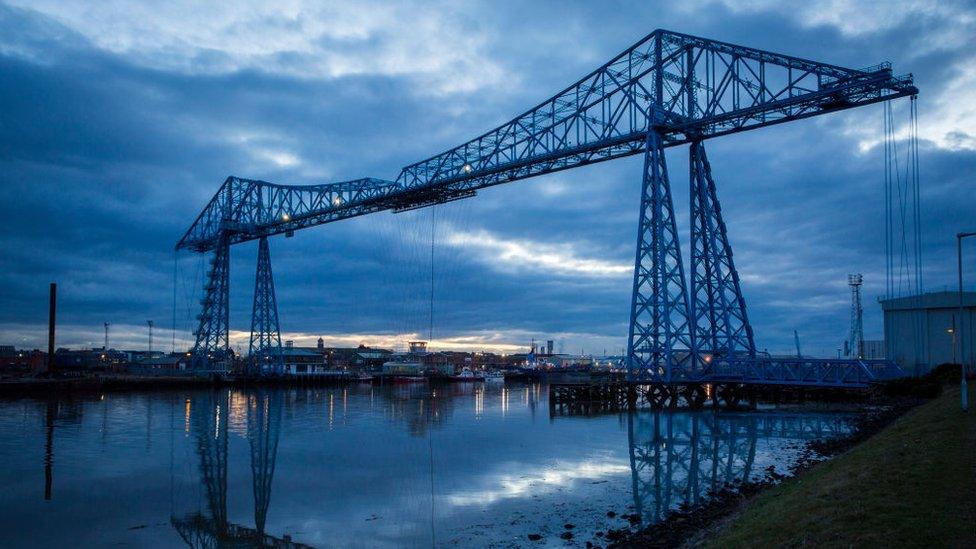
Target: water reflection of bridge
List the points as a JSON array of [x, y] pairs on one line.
[[678, 459], [209, 418]]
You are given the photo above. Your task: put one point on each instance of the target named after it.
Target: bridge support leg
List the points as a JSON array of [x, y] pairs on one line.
[[264, 349], [659, 343], [211, 351], [718, 310]]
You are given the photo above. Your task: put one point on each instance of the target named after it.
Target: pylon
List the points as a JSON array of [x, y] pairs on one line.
[[659, 346]]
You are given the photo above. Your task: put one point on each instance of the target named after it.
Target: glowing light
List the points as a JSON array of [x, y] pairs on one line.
[[285, 217], [467, 168], [337, 201]]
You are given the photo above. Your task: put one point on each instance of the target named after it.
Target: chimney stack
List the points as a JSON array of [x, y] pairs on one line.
[[52, 310]]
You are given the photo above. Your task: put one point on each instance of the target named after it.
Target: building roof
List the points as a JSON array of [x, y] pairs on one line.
[[299, 351], [167, 360], [931, 300]]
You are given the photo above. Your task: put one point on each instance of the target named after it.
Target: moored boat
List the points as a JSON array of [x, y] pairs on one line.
[[467, 375], [408, 379], [494, 376]]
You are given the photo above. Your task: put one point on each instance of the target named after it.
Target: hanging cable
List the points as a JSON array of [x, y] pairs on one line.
[[916, 192], [433, 226], [176, 255], [889, 275]]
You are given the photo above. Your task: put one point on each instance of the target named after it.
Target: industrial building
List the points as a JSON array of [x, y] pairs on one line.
[[919, 330]]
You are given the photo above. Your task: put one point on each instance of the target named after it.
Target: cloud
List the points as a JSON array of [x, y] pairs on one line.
[[525, 255], [928, 34], [121, 119], [438, 44]]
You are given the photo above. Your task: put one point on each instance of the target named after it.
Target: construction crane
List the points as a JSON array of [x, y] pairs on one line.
[[666, 90]]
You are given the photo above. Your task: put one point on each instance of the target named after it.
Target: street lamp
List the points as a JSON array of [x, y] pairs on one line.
[[962, 340]]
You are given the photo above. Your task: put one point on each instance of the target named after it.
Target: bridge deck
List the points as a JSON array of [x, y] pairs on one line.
[[783, 371]]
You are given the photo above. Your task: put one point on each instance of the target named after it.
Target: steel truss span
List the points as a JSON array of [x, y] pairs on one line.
[[667, 89]]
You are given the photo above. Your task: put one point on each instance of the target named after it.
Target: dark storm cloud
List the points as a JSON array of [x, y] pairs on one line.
[[108, 154]]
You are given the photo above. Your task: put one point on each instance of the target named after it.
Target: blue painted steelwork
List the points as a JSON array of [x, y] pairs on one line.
[[668, 89], [693, 88], [718, 309], [264, 350], [660, 331], [814, 372], [211, 352]]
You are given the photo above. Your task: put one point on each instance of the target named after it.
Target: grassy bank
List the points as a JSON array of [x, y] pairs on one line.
[[912, 484]]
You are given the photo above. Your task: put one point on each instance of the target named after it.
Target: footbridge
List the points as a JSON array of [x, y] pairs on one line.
[[668, 89]]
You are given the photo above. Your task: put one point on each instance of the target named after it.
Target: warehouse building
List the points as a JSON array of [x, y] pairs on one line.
[[919, 331]]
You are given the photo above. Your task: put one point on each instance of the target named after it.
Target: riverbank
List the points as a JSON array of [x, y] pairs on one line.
[[904, 478], [912, 484]]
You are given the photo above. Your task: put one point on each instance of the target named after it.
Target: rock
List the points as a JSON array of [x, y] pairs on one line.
[[611, 514], [569, 526], [534, 537], [566, 535]]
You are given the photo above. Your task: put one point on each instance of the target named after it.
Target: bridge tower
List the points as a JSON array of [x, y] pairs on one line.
[[265, 347], [659, 323], [718, 310], [212, 348]]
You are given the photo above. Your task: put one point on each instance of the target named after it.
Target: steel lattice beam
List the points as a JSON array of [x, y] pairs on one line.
[[691, 88]]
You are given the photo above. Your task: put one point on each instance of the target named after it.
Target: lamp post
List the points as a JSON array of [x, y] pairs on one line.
[[962, 340]]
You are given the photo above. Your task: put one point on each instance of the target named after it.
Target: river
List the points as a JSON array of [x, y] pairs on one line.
[[363, 466]]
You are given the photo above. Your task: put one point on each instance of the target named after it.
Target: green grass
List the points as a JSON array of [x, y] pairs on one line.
[[913, 484]]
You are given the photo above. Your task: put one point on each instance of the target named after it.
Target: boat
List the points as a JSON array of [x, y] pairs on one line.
[[495, 376], [408, 379], [363, 377], [467, 375], [403, 372]]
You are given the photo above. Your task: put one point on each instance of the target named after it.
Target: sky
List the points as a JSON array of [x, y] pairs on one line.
[[119, 120]]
